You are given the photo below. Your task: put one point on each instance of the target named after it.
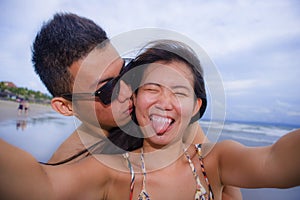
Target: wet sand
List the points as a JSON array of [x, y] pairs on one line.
[[9, 110]]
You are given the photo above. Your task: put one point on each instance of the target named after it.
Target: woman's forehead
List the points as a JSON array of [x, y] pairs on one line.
[[168, 74]]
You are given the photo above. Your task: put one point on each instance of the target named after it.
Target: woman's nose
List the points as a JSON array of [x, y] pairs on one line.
[[166, 100], [125, 92]]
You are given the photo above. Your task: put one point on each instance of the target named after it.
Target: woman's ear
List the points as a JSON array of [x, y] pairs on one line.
[[62, 106], [198, 104]]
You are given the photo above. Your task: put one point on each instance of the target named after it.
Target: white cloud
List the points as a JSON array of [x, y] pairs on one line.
[[293, 113], [244, 86], [237, 85]]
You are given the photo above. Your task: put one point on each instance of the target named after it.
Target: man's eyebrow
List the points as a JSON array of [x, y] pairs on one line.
[[104, 80], [99, 82]]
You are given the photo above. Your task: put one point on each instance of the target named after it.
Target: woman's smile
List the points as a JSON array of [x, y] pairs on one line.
[[161, 124]]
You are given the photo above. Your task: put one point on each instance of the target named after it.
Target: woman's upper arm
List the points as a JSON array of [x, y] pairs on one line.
[[269, 166], [243, 166]]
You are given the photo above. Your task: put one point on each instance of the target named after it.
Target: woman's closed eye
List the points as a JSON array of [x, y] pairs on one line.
[[181, 93], [153, 88]]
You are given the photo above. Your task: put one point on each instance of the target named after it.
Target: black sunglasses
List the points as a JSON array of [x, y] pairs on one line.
[[108, 92]]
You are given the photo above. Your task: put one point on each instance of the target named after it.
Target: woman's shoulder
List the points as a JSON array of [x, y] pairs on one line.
[[220, 147], [110, 163]]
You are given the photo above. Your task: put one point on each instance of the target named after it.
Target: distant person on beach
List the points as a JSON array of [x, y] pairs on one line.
[[21, 107], [21, 124], [62, 46], [165, 167], [26, 107]]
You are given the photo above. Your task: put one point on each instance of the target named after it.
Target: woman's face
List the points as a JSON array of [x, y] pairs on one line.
[[165, 102]]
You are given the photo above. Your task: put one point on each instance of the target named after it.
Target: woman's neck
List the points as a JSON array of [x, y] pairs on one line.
[[156, 159]]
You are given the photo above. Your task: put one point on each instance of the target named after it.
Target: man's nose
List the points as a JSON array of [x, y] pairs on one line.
[[125, 92]]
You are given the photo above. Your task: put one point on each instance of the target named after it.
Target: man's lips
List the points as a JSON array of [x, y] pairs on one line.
[[129, 109], [160, 124]]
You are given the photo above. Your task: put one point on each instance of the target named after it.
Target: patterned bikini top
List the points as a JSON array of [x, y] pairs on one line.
[[200, 194]]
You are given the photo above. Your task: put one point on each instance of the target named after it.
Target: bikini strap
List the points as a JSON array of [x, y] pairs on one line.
[[132, 175], [143, 195], [199, 151], [200, 190]]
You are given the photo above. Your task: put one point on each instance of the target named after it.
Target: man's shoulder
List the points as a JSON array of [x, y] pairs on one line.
[[70, 147]]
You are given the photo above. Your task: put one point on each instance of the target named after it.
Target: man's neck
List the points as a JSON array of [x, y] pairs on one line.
[[89, 134]]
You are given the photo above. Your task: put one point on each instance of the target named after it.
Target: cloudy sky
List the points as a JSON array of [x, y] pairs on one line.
[[255, 45]]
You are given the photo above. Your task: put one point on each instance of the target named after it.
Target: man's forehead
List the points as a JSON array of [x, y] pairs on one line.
[[100, 58], [98, 65]]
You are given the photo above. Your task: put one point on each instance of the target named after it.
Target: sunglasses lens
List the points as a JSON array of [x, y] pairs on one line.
[[108, 92]]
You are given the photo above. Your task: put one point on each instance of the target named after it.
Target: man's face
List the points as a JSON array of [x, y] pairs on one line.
[[91, 73]]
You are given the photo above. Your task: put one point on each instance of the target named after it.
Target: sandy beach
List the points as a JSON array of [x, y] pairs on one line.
[[9, 110]]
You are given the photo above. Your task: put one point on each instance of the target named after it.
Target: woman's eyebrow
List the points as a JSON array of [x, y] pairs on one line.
[[151, 83], [180, 87], [172, 87]]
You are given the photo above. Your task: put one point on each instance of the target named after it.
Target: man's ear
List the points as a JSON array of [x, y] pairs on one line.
[[62, 106], [197, 106]]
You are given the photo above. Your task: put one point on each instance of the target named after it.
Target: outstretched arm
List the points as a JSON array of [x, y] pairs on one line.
[[21, 176], [271, 166], [284, 159]]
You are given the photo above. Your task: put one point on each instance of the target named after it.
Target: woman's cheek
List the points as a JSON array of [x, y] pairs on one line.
[[186, 108]]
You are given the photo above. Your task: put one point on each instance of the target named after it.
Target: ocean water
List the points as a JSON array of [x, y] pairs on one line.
[[247, 133], [41, 135]]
